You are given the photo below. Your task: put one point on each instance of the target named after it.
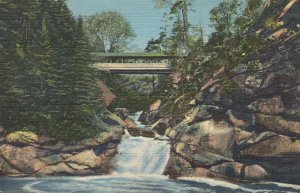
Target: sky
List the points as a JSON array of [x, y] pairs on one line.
[[145, 18]]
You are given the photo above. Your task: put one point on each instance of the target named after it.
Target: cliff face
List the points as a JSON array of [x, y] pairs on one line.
[[253, 131]]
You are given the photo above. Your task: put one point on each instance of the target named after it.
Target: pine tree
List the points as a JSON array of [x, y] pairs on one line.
[[15, 32]]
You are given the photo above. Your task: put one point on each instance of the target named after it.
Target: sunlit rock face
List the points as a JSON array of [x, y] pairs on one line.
[[25, 153], [253, 131]]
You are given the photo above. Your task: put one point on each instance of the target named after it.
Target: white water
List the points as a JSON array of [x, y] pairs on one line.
[[136, 117], [141, 155]]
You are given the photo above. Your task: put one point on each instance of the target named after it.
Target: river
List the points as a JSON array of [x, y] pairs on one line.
[[139, 166]]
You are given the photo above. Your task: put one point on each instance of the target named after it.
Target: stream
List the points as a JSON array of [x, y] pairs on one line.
[[139, 166]]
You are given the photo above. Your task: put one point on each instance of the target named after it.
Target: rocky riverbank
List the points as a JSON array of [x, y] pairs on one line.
[[252, 131], [26, 154]]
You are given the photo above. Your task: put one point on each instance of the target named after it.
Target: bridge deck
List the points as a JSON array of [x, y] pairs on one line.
[[135, 68]]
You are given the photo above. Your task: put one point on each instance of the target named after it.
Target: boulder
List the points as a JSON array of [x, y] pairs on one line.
[[177, 166], [218, 96], [143, 118], [277, 146], [267, 106], [279, 125], [130, 123], [193, 102], [205, 112], [135, 132], [24, 159], [148, 134], [160, 126], [62, 168], [253, 138], [76, 167], [201, 172], [241, 135], [240, 119], [121, 112], [229, 169], [202, 158], [117, 134], [22, 137], [207, 158], [155, 106], [291, 100], [124, 111], [240, 171], [153, 116], [51, 160], [171, 133], [86, 158], [255, 172], [72, 148], [140, 132], [215, 136], [6, 169], [99, 139], [57, 147], [112, 119]]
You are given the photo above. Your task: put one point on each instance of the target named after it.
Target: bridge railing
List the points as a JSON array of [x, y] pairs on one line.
[[134, 58]]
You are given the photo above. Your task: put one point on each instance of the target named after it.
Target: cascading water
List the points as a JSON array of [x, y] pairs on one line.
[[140, 163], [141, 155]]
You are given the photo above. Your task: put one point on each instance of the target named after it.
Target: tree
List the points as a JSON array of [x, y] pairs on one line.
[[180, 31], [47, 85], [16, 17], [231, 42], [109, 31]]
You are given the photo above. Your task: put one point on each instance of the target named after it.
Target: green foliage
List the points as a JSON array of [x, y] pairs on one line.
[[133, 92], [228, 46], [47, 85], [272, 24], [176, 37], [253, 67], [108, 32]]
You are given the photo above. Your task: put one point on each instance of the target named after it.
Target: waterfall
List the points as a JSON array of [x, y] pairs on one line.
[[140, 155]]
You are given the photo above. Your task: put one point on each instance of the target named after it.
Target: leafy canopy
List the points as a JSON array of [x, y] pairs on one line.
[[109, 31]]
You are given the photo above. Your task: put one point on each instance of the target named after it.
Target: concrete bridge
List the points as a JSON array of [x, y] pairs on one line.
[[134, 63]]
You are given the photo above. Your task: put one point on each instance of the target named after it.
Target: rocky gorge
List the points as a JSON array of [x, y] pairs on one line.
[[252, 131]]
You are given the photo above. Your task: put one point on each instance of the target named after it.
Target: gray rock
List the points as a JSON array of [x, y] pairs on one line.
[[277, 146], [56, 169], [279, 125], [217, 137], [208, 159], [241, 119], [267, 106], [53, 159], [255, 138], [87, 158], [161, 126], [240, 171], [24, 159]]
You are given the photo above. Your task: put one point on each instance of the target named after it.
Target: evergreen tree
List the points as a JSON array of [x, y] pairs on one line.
[[46, 82]]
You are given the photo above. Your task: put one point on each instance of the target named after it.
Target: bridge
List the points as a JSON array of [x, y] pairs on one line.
[[134, 63]]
